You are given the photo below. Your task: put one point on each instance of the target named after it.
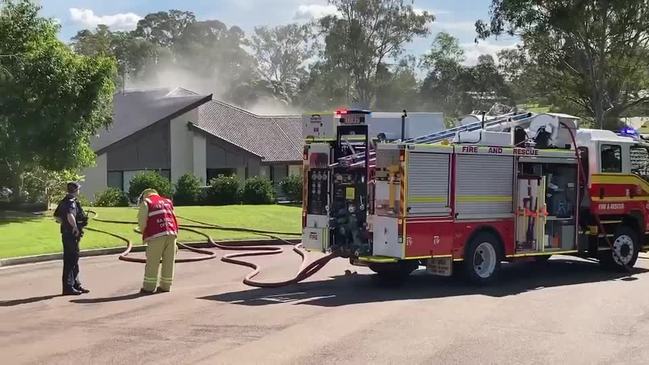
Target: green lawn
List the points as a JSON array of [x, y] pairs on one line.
[[22, 234]]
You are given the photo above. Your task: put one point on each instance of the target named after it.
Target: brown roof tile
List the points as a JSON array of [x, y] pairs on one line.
[[274, 138]]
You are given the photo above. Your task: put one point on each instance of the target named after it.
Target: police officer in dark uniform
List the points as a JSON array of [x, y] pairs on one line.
[[73, 219]]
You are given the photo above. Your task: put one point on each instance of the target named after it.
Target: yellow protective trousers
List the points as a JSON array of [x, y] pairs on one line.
[[163, 247]]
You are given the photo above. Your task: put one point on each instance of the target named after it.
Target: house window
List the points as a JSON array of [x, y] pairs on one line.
[[214, 173], [278, 173], [116, 179], [611, 158]]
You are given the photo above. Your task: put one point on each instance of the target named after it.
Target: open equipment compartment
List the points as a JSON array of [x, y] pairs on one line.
[[547, 193]]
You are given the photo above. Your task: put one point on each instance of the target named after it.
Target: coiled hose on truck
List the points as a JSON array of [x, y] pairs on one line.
[[303, 273]]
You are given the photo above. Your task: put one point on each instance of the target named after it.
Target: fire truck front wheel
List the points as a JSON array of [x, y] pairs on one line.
[[625, 249], [482, 258]]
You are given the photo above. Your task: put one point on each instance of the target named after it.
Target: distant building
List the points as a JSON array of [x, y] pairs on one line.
[[178, 131]]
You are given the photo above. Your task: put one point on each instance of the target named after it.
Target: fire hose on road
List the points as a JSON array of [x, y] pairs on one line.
[[303, 273]]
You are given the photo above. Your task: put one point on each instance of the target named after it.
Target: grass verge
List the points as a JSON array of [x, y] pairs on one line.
[[26, 234]]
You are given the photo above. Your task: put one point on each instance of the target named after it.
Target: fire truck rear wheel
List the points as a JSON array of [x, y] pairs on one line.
[[482, 258], [625, 249]]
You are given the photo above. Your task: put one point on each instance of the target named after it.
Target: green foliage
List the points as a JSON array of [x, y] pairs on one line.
[[188, 190], [456, 89], [111, 197], [445, 52], [364, 35], [40, 185], [281, 53], [56, 99], [202, 53], [149, 180], [258, 190], [224, 190], [292, 187], [85, 202], [398, 88], [593, 55]]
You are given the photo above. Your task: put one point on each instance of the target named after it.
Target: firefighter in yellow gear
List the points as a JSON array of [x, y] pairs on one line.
[[159, 227]]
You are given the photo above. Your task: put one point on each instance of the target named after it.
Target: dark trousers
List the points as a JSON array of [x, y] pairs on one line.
[[70, 260]]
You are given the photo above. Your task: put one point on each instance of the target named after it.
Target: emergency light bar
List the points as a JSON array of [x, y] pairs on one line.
[[629, 132]]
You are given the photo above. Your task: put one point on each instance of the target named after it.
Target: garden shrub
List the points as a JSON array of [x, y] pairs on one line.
[[292, 188], [258, 190], [149, 180], [224, 190], [188, 190], [111, 197]]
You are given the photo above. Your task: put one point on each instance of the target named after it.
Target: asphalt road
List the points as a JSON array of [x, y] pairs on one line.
[[568, 312]]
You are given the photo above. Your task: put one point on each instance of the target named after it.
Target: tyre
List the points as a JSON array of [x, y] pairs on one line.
[[624, 254], [482, 258], [394, 270]]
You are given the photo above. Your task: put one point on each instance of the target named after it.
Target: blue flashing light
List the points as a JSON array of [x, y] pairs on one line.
[[629, 132]]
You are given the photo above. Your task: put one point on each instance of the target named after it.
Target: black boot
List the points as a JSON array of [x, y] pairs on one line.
[[81, 289], [71, 291]]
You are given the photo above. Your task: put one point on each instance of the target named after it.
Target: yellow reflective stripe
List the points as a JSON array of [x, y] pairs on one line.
[[545, 253], [610, 178], [150, 280], [428, 257], [166, 279], [427, 199], [484, 198], [378, 259]]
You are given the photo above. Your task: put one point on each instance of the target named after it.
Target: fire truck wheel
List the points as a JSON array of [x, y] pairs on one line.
[[482, 258], [394, 270], [626, 248]]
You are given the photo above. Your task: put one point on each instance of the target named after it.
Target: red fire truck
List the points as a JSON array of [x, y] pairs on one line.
[[528, 186]]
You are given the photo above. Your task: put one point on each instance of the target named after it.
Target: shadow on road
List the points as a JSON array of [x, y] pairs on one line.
[[354, 289], [11, 303], [110, 299]]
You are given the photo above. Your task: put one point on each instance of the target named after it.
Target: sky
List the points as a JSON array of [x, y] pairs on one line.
[[456, 17]]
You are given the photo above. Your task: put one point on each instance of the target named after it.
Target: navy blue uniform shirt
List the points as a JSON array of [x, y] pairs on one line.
[[69, 205]]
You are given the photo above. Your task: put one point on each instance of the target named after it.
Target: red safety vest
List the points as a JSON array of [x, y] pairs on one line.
[[161, 220]]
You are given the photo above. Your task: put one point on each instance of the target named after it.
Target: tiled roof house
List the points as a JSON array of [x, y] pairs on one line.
[[176, 131]]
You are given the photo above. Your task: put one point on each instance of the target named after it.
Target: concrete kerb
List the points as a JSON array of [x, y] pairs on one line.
[[13, 261]]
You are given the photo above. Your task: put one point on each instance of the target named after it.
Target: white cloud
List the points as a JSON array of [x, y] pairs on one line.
[[315, 11], [120, 21], [455, 27], [472, 50], [435, 12]]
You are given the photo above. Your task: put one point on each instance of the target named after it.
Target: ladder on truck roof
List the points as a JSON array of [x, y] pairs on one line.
[[506, 120], [449, 133]]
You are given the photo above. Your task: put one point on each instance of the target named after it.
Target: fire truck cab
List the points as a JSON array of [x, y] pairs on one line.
[[489, 196]]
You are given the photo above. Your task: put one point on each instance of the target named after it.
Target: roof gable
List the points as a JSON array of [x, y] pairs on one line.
[[135, 110]]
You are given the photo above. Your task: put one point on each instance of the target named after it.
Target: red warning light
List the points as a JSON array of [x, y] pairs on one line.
[[341, 111]]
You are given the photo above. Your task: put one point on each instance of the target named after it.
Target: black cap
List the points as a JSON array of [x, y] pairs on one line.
[[73, 186]]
